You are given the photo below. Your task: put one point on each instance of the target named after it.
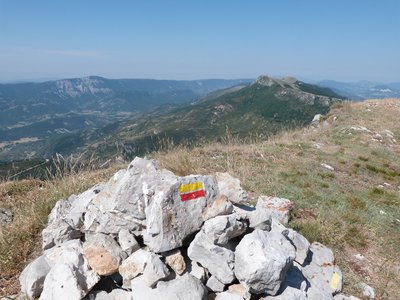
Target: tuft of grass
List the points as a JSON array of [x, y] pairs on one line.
[[326, 175], [356, 203], [363, 158], [356, 237], [313, 230], [376, 191]]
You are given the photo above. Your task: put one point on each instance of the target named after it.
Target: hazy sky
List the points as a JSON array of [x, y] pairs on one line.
[[347, 40]]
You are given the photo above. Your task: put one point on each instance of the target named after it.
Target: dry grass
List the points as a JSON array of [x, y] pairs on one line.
[[352, 210]]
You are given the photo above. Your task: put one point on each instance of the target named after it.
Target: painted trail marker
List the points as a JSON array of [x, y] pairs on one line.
[[191, 191]]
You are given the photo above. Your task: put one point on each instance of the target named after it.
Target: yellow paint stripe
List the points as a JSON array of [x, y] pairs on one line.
[[190, 187], [335, 281]]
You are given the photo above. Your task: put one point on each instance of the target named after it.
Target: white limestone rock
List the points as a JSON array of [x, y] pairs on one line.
[[134, 265], [322, 272], [278, 208], [198, 271], [122, 204], [153, 201], [230, 187], [295, 279], [66, 218], [127, 241], [176, 212], [217, 259], [262, 259], [221, 206], [301, 244], [116, 294], [314, 293], [33, 276], [228, 296], [186, 287], [103, 253], [70, 277], [221, 229], [240, 289], [367, 291], [258, 218], [213, 284], [288, 293], [58, 233], [155, 270], [344, 297], [175, 261], [146, 263]]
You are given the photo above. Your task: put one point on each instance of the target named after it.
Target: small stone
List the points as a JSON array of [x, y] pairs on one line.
[[278, 208], [217, 259], [316, 119], [134, 265], [301, 244], [198, 271], [230, 187], [127, 241], [221, 229], [367, 290], [146, 263], [186, 287], [155, 270], [344, 297], [240, 289], [213, 284], [314, 293], [70, 277], [33, 276], [115, 294], [221, 206], [359, 257], [228, 296], [328, 167], [58, 233], [6, 216], [176, 261], [103, 253], [258, 218], [288, 293], [322, 272]]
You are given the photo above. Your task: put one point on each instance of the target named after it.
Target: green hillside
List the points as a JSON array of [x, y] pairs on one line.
[[260, 109]]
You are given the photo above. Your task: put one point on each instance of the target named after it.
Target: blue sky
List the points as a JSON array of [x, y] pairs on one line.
[[346, 40]]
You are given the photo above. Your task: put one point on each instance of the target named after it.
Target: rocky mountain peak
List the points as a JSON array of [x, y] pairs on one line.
[[265, 80], [289, 79]]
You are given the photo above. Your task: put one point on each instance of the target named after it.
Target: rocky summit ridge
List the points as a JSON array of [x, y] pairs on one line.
[[149, 234]]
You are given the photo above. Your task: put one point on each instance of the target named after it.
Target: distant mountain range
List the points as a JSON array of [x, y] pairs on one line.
[[102, 116], [363, 89], [259, 109], [62, 106]]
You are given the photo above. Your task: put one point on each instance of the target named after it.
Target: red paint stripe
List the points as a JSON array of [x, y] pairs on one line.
[[193, 195]]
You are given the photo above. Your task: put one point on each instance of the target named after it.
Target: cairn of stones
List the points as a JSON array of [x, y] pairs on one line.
[[150, 234]]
